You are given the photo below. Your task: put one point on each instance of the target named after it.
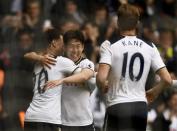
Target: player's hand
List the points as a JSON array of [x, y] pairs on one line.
[[150, 95], [52, 84], [47, 61]]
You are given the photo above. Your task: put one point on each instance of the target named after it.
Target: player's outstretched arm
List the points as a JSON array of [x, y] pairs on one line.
[[80, 77], [102, 76], [45, 60], [165, 82]]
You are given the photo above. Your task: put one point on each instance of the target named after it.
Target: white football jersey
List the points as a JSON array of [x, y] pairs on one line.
[[130, 59], [76, 109], [46, 105]]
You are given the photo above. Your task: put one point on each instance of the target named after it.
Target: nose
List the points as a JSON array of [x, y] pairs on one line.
[[74, 49]]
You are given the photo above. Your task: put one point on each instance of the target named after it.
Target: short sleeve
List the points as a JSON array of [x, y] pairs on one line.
[[67, 66], [156, 61], [87, 64], [105, 53]]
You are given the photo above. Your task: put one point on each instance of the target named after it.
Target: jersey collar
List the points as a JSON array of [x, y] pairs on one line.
[[79, 60]]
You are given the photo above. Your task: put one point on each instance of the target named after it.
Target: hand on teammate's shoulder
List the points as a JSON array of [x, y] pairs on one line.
[[48, 61]]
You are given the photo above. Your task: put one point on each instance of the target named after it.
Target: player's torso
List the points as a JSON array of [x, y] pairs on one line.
[[76, 110], [131, 60], [46, 104]]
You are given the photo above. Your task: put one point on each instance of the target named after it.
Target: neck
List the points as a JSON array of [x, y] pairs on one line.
[[52, 53], [128, 33]]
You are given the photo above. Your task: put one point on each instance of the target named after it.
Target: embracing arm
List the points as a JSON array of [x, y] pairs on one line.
[[80, 77], [33, 56], [45, 60]]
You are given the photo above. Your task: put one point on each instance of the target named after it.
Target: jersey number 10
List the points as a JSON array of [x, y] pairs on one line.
[[42, 79], [132, 60]]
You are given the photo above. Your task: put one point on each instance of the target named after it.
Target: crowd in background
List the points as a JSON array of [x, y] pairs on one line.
[[22, 27]]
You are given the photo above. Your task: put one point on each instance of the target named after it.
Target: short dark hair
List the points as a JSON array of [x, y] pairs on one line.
[[73, 34], [128, 16], [52, 34]]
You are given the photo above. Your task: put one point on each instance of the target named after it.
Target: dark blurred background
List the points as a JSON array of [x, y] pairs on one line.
[[22, 27]]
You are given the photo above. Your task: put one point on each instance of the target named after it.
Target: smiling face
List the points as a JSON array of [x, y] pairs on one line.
[[74, 49]]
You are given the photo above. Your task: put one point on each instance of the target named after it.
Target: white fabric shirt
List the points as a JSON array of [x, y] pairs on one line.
[[46, 105], [76, 108], [130, 59]]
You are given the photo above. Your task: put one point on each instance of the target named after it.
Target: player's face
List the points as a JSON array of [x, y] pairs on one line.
[[74, 50]]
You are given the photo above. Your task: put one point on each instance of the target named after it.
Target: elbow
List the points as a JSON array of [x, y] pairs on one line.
[[25, 55]]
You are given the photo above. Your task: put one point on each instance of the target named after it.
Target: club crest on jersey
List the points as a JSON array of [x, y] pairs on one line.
[[89, 66]]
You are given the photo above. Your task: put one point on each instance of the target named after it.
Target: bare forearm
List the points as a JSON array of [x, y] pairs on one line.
[[77, 78], [101, 82], [159, 88], [102, 77], [81, 77], [33, 56]]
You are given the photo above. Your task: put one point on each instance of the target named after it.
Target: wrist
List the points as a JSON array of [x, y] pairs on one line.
[[39, 58], [63, 81]]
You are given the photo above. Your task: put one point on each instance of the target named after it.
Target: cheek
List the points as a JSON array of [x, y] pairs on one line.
[[68, 50], [81, 49], [68, 53]]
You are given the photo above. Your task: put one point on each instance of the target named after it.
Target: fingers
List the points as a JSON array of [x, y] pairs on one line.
[[52, 60], [47, 65], [49, 85], [48, 61]]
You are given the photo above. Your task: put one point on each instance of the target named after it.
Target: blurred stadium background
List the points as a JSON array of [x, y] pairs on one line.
[[22, 26]]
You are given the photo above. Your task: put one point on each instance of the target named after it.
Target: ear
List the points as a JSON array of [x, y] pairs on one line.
[[53, 44]]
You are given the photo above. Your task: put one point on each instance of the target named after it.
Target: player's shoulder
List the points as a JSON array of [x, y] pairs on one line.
[[85, 60], [117, 43], [86, 63], [63, 60], [147, 42]]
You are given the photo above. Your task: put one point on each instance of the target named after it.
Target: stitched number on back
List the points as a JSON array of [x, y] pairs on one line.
[[132, 60], [43, 78]]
